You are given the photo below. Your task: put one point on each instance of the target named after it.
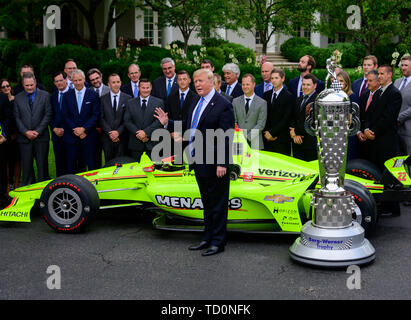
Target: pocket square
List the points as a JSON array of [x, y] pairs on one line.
[[88, 102]]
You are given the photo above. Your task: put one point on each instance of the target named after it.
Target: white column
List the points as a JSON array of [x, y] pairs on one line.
[[112, 38], [49, 34], [166, 36]]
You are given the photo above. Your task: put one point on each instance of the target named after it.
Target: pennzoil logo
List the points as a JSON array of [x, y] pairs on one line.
[[279, 198]]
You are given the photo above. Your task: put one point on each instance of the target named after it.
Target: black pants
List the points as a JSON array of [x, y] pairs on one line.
[[214, 195], [3, 171]]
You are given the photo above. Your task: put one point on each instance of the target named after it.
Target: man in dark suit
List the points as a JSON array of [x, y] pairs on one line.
[[113, 105], [367, 104], [305, 66], [217, 86], [5, 120], [280, 105], [33, 113], [57, 123], [131, 88], [304, 146], [266, 85], [209, 112], [19, 87], [140, 121], [382, 126], [80, 111], [166, 84], [360, 86], [231, 86]]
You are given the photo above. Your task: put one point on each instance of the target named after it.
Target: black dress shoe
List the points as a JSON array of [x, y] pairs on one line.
[[212, 250], [201, 246]]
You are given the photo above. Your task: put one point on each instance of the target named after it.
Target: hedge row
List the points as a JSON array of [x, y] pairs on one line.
[[352, 56]]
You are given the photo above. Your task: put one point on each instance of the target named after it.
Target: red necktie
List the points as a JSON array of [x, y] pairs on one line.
[[369, 100], [363, 87]]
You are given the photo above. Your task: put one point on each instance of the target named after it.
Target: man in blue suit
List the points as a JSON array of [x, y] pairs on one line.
[[360, 86], [305, 66], [57, 123], [210, 111], [80, 111], [266, 85]]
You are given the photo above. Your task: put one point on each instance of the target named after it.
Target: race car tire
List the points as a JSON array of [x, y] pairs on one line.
[[365, 201], [119, 160], [69, 203], [363, 169]]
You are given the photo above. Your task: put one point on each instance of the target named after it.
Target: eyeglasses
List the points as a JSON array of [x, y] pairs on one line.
[[5, 86]]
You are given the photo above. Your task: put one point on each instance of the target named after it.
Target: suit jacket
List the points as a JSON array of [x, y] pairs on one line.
[[218, 114], [37, 119], [172, 105], [5, 115], [113, 120], [293, 86], [227, 96], [366, 115], [87, 118], [280, 111], [356, 87], [57, 119], [135, 120], [298, 121], [404, 116], [104, 90], [128, 89], [159, 89], [383, 122], [234, 92], [254, 119]]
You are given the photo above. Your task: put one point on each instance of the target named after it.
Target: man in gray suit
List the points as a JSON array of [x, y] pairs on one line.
[[250, 112], [404, 117], [114, 137], [140, 121], [33, 113]]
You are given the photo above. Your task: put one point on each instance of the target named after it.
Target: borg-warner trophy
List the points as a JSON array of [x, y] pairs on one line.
[[332, 238]]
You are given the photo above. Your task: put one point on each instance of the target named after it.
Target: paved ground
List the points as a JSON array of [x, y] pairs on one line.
[[122, 257]]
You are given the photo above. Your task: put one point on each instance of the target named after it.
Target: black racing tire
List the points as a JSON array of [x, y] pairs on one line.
[[119, 160], [363, 169], [366, 203], [69, 203]]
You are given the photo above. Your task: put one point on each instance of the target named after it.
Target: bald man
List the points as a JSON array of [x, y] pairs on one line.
[[266, 85]]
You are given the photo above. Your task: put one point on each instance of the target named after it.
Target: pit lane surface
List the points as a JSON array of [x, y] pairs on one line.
[[122, 257]]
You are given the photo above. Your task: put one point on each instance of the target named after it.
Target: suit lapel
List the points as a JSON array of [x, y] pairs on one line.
[[208, 108]]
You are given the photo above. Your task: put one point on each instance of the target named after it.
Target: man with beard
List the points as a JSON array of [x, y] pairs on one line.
[[305, 66]]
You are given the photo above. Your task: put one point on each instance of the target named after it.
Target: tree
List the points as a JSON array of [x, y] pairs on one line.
[[267, 17], [379, 20], [188, 15]]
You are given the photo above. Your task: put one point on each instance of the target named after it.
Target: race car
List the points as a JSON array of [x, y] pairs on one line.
[[269, 192]]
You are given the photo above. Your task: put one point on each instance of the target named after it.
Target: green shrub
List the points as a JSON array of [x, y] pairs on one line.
[[216, 55], [291, 48], [116, 66], [11, 51], [352, 53], [152, 53], [241, 53]]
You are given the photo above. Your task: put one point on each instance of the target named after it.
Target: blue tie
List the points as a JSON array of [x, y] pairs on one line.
[[169, 87], [79, 101], [135, 91], [194, 123], [181, 100], [228, 90], [61, 99]]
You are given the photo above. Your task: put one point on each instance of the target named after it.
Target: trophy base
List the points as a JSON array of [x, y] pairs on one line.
[[332, 247]]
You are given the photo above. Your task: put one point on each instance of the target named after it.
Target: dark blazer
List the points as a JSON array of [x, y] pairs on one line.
[[293, 86], [87, 118], [356, 87], [127, 89], [38, 119], [280, 111], [172, 105], [234, 92], [111, 120], [383, 122], [218, 114], [57, 119], [159, 89], [5, 115], [135, 119]]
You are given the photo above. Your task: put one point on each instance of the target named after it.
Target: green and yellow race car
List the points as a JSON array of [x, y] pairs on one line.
[[269, 192]]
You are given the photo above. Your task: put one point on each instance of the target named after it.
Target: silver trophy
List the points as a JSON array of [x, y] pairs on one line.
[[332, 238]]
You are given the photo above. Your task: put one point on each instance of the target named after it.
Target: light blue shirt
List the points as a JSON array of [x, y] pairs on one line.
[[80, 97]]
